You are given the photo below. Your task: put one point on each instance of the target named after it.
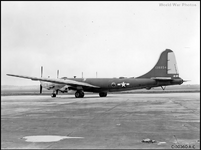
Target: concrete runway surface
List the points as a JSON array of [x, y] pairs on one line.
[[115, 121]]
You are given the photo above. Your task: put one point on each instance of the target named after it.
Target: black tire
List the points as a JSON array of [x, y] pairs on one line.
[[77, 94], [103, 94], [81, 94], [54, 95]]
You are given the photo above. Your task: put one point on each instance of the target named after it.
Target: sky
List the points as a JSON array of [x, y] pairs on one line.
[[112, 38]]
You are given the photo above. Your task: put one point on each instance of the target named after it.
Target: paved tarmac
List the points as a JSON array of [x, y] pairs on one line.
[[116, 121]]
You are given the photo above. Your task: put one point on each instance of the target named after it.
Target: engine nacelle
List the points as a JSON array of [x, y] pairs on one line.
[[64, 89]]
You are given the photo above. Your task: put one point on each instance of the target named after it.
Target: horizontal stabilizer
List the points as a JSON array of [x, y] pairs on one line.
[[161, 78]]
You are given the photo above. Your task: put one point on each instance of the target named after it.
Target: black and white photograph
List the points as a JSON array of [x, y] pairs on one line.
[[100, 74]]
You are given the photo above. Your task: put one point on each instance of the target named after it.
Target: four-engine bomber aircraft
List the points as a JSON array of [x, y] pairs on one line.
[[164, 73]]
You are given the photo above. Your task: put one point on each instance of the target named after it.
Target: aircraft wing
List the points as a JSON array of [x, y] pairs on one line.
[[59, 81]]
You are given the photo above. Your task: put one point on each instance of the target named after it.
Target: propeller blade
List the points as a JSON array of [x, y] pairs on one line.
[[57, 74], [41, 71], [41, 88]]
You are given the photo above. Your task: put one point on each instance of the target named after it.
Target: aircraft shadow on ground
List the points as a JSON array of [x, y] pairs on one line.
[[84, 97]]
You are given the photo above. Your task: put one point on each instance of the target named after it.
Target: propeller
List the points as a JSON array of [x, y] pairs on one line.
[[41, 71], [41, 87], [57, 74]]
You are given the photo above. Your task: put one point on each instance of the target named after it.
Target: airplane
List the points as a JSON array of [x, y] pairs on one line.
[[164, 73]]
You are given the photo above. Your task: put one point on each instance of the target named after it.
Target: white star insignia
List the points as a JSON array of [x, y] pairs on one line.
[[123, 84]]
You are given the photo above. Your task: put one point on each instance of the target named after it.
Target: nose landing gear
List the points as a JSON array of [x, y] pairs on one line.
[[54, 94]]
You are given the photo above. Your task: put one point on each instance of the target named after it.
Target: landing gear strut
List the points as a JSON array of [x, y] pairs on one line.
[[103, 94], [79, 94], [163, 87], [54, 94]]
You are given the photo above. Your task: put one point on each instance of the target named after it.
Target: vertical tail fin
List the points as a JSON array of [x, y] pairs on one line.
[[165, 67]]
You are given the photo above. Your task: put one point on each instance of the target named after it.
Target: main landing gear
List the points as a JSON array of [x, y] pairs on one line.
[[103, 94], [79, 94]]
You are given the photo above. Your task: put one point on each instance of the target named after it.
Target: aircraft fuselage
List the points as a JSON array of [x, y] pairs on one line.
[[116, 84]]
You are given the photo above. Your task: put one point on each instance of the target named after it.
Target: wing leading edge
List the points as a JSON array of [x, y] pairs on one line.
[[59, 81]]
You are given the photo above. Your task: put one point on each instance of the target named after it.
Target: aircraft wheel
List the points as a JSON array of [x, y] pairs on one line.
[[54, 95], [81, 94], [77, 94], [103, 94]]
